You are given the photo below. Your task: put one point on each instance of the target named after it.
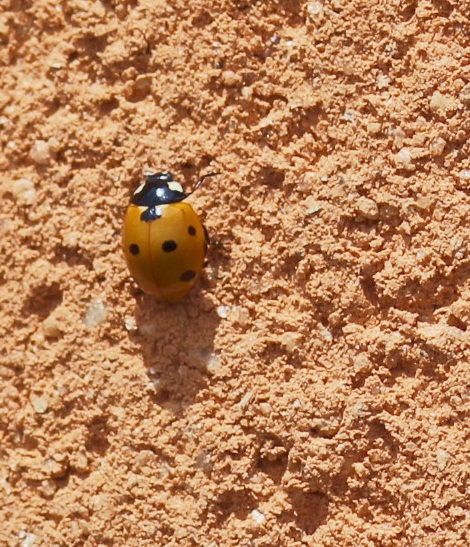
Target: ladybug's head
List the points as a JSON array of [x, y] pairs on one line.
[[158, 189]]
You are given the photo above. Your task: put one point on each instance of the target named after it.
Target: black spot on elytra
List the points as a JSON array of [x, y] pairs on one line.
[[134, 249], [169, 246], [191, 230], [188, 275]]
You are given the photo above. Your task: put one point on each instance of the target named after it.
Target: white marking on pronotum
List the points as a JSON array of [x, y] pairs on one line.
[[139, 189], [175, 186]]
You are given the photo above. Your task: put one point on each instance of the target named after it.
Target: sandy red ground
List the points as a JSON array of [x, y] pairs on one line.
[[314, 390]]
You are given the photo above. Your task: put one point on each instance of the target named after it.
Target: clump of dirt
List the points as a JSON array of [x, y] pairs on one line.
[[313, 389]]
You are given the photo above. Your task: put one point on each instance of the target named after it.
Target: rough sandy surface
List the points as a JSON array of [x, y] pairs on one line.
[[315, 389]]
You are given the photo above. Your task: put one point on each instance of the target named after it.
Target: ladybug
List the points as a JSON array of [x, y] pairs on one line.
[[164, 241]]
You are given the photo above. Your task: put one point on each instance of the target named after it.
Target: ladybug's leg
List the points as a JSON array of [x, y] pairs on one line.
[[206, 236], [207, 242]]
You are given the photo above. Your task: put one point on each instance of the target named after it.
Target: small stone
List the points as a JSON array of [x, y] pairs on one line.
[[258, 517], [57, 61], [437, 146], [79, 461], [54, 469], [6, 486], [383, 81], [349, 115], [314, 9], [367, 208], [70, 240], [362, 364], [95, 314], [245, 400], [54, 146], [230, 78], [136, 89], [403, 160], [312, 206], [424, 203], [24, 190], [247, 92], [52, 326], [80, 527], [398, 136], [48, 488], [374, 128], [241, 316], [41, 152], [360, 469], [290, 341], [143, 83], [464, 174], [26, 539], [442, 457], [464, 95], [265, 409], [6, 225], [324, 427], [39, 404], [130, 324], [307, 182], [223, 311], [213, 365], [442, 104]]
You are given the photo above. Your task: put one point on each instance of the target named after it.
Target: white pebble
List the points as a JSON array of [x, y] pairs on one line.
[[465, 174], [223, 311], [26, 539], [38, 403], [130, 324], [437, 147], [403, 160], [442, 103], [245, 400], [230, 78], [314, 9], [241, 316], [213, 364], [265, 409], [290, 341], [41, 152], [6, 486], [312, 206], [441, 456], [95, 314], [367, 208], [24, 190], [48, 488], [383, 81], [464, 95], [258, 517]]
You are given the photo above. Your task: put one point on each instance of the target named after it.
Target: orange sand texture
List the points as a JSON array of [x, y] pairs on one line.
[[314, 390]]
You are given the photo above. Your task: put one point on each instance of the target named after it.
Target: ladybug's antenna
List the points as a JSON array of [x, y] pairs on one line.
[[201, 180]]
